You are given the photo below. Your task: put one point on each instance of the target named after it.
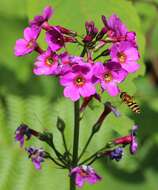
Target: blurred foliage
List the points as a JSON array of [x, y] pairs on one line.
[[37, 100]]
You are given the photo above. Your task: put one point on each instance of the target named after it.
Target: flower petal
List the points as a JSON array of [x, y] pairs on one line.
[[87, 90], [131, 67], [112, 88], [71, 92]]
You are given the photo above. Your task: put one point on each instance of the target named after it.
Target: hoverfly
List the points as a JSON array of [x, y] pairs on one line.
[[129, 100]]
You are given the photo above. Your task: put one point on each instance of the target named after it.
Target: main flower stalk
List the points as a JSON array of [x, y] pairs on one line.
[[75, 141]]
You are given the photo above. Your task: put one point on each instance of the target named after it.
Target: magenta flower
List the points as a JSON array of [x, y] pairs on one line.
[[20, 133], [37, 156], [116, 30], [28, 44], [134, 143], [85, 174], [65, 63], [46, 63], [126, 54], [131, 37], [55, 39], [78, 82], [40, 20], [129, 139], [109, 75]]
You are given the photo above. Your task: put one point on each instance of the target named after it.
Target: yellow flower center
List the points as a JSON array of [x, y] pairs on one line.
[[79, 81], [121, 57], [49, 61], [107, 77]]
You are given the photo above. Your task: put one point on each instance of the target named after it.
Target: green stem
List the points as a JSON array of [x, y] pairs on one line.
[[58, 154], [76, 135], [57, 163], [86, 145], [92, 156], [65, 146], [75, 142]]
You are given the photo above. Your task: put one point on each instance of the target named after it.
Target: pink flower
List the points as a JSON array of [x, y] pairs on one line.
[[126, 54], [85, 174], [129, 139], [78, 82], [115, 28], [131, 37], [37, 155], [28, 44], [46, 63], [117, 31], [20, 133], [39, 20], [109, 75], [55, 39]]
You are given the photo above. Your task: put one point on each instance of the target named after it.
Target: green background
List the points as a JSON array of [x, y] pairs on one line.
[[38, 101]]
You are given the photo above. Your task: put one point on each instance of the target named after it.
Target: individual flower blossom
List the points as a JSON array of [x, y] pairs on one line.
[[28, 43], [109, 75], [40, 20], [55, 39], [134, 143], [115, 28], [85, 174], [37, 156], [129, 139], [20, 133], [131, 37], [65, 63], [46, 63], [78, 82], [126, 54], [117, 31], [115, 154], [113, 109]]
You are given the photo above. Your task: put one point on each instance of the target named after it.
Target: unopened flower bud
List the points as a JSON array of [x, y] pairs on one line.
[[113, 109], [60, 124], [46, 137], [101, 34], [67, 31]]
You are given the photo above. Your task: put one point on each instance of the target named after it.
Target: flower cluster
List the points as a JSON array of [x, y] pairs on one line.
[[108, 56], [79, 76]]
